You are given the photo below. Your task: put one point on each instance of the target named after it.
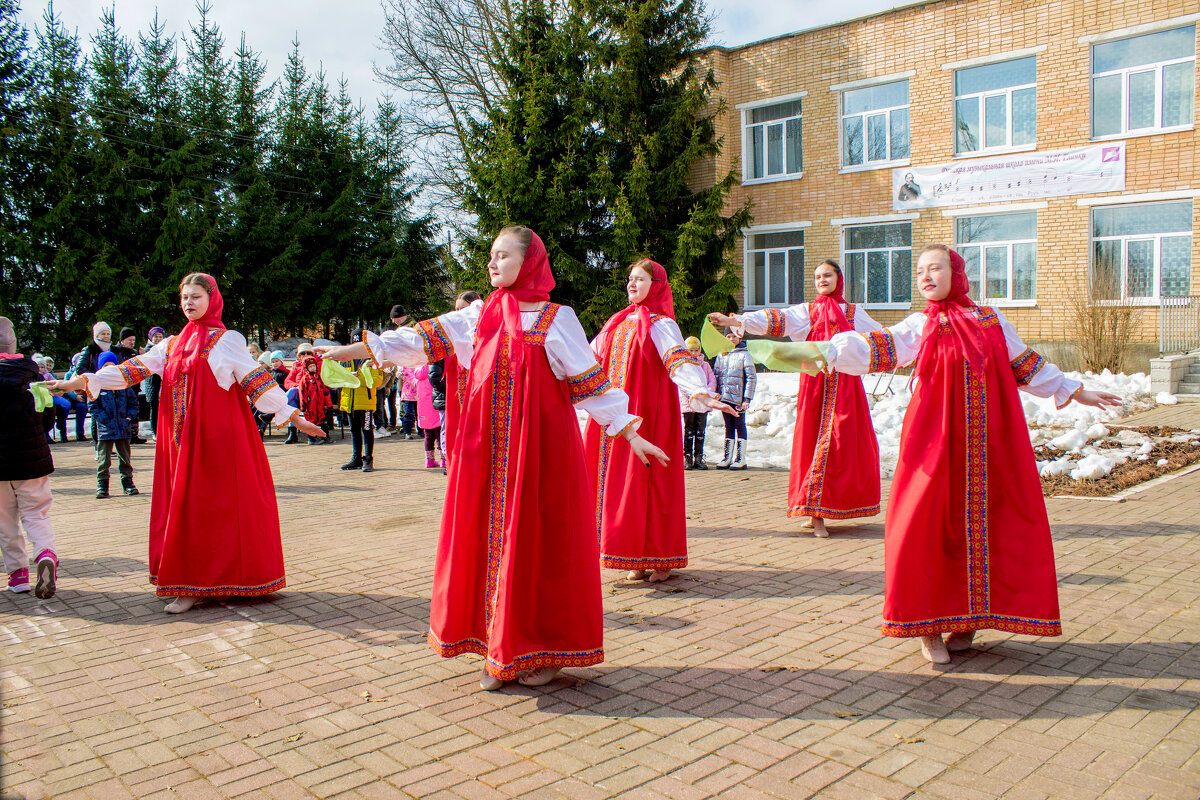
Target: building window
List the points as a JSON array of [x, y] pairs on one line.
[[995, 106], [776, 274], [1144, 83], [879, 263], [875, 124], [772, 137], [1001, 255], [1142, 251]]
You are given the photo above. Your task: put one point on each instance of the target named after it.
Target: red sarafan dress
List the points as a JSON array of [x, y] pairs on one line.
[[214, 522], [835, 456], [641, 514], [966, 540], [517, 575]]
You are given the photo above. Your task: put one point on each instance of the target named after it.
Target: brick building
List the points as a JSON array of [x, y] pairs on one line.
[[819, 121]]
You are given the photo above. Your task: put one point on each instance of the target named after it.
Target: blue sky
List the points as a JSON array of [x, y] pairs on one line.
[[343, 35]]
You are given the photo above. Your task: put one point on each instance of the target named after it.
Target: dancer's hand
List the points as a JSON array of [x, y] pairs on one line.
[[717, 318], [76, 384], [715, 403], [644, 450], [310, 428], [346, 352], [1091, 397]]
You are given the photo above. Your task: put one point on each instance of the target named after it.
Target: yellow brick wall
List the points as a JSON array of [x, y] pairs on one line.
[[920, 39]]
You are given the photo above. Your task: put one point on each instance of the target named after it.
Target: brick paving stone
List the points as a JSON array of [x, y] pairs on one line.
[[758, 672]]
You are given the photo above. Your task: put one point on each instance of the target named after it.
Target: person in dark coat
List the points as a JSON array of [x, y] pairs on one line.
[[115, 414], [125, 349], [25, 467]]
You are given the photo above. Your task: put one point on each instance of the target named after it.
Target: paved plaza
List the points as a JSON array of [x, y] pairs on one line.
[[758, 672]]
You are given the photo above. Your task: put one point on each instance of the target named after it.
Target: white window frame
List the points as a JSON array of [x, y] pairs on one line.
[[1156, 277], [867, 164], [747, 160], [845, 252], [748, 263], [1126, 73], [981, 97], [1002, 302]]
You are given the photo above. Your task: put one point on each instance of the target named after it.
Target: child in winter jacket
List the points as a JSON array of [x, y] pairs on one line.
[[429, 420], [25, 467], [736, 379], [406, 377], [115, 414], [694, 422]]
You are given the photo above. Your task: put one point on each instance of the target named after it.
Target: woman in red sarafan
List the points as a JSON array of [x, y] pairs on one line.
[[835, 457], [966, 539], [517, 576], [641, 514], [214, 523]]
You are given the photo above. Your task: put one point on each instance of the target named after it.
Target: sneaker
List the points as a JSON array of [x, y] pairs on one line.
[[131, 490], [381, 433], [18, 580], [47, 575]]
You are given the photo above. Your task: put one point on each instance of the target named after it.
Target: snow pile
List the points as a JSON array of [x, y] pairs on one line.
[[1165, 399], [771, 420]]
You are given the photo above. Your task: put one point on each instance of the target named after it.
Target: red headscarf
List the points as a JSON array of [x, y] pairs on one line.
[[659, 300], [828, 317], [501, 314], [967, 336], [185, 350]]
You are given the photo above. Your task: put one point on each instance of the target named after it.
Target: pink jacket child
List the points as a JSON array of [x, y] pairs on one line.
[[428, 418], [710, 380], [408, 383]]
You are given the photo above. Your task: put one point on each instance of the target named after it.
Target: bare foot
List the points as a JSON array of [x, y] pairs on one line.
[[489, 682], [539, 677], [659, 575], [819, 529], [636, 575], [959, 641], [181, 604], [808, 522], [933, 648]]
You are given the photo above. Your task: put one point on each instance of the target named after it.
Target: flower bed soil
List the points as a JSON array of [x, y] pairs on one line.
[[1129, 474]]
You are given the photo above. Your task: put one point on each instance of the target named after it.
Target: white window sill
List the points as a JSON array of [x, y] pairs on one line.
[[903, 162], [998, 303], [887, 306], [1132, 302], [781, 306], [1140, 133], [997, 151], [794, 176]]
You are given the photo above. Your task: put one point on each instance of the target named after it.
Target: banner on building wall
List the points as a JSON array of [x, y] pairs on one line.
[[1021, 176]]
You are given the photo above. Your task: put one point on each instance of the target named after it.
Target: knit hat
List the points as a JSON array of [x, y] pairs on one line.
[[106, 359], [305, 347], [275, 355], [8, 337], [155, 330], [97, 329], [691, 343], [397, 311], [100, 326], [126, 333]]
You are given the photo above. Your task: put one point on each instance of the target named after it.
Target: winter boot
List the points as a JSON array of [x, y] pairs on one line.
[[728, 459], [698, 450], [128, 487], [430, 461], [368, 464], [354, 463], [740, 461], [292, 436], [689, 439], [101, 488]]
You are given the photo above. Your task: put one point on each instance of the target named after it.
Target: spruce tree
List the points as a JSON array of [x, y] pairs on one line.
[[15, 85]]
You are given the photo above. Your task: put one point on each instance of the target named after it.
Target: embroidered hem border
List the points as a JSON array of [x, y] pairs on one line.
[[832, 513], [979, 566], [676, 357], [970, 622], [1074, 394], [589, 383], [1026, 365], [883, 351], [218, 591], [776, 324], [643, 562], [523, 663], [816, 470], [437, 343], [362, 337]]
